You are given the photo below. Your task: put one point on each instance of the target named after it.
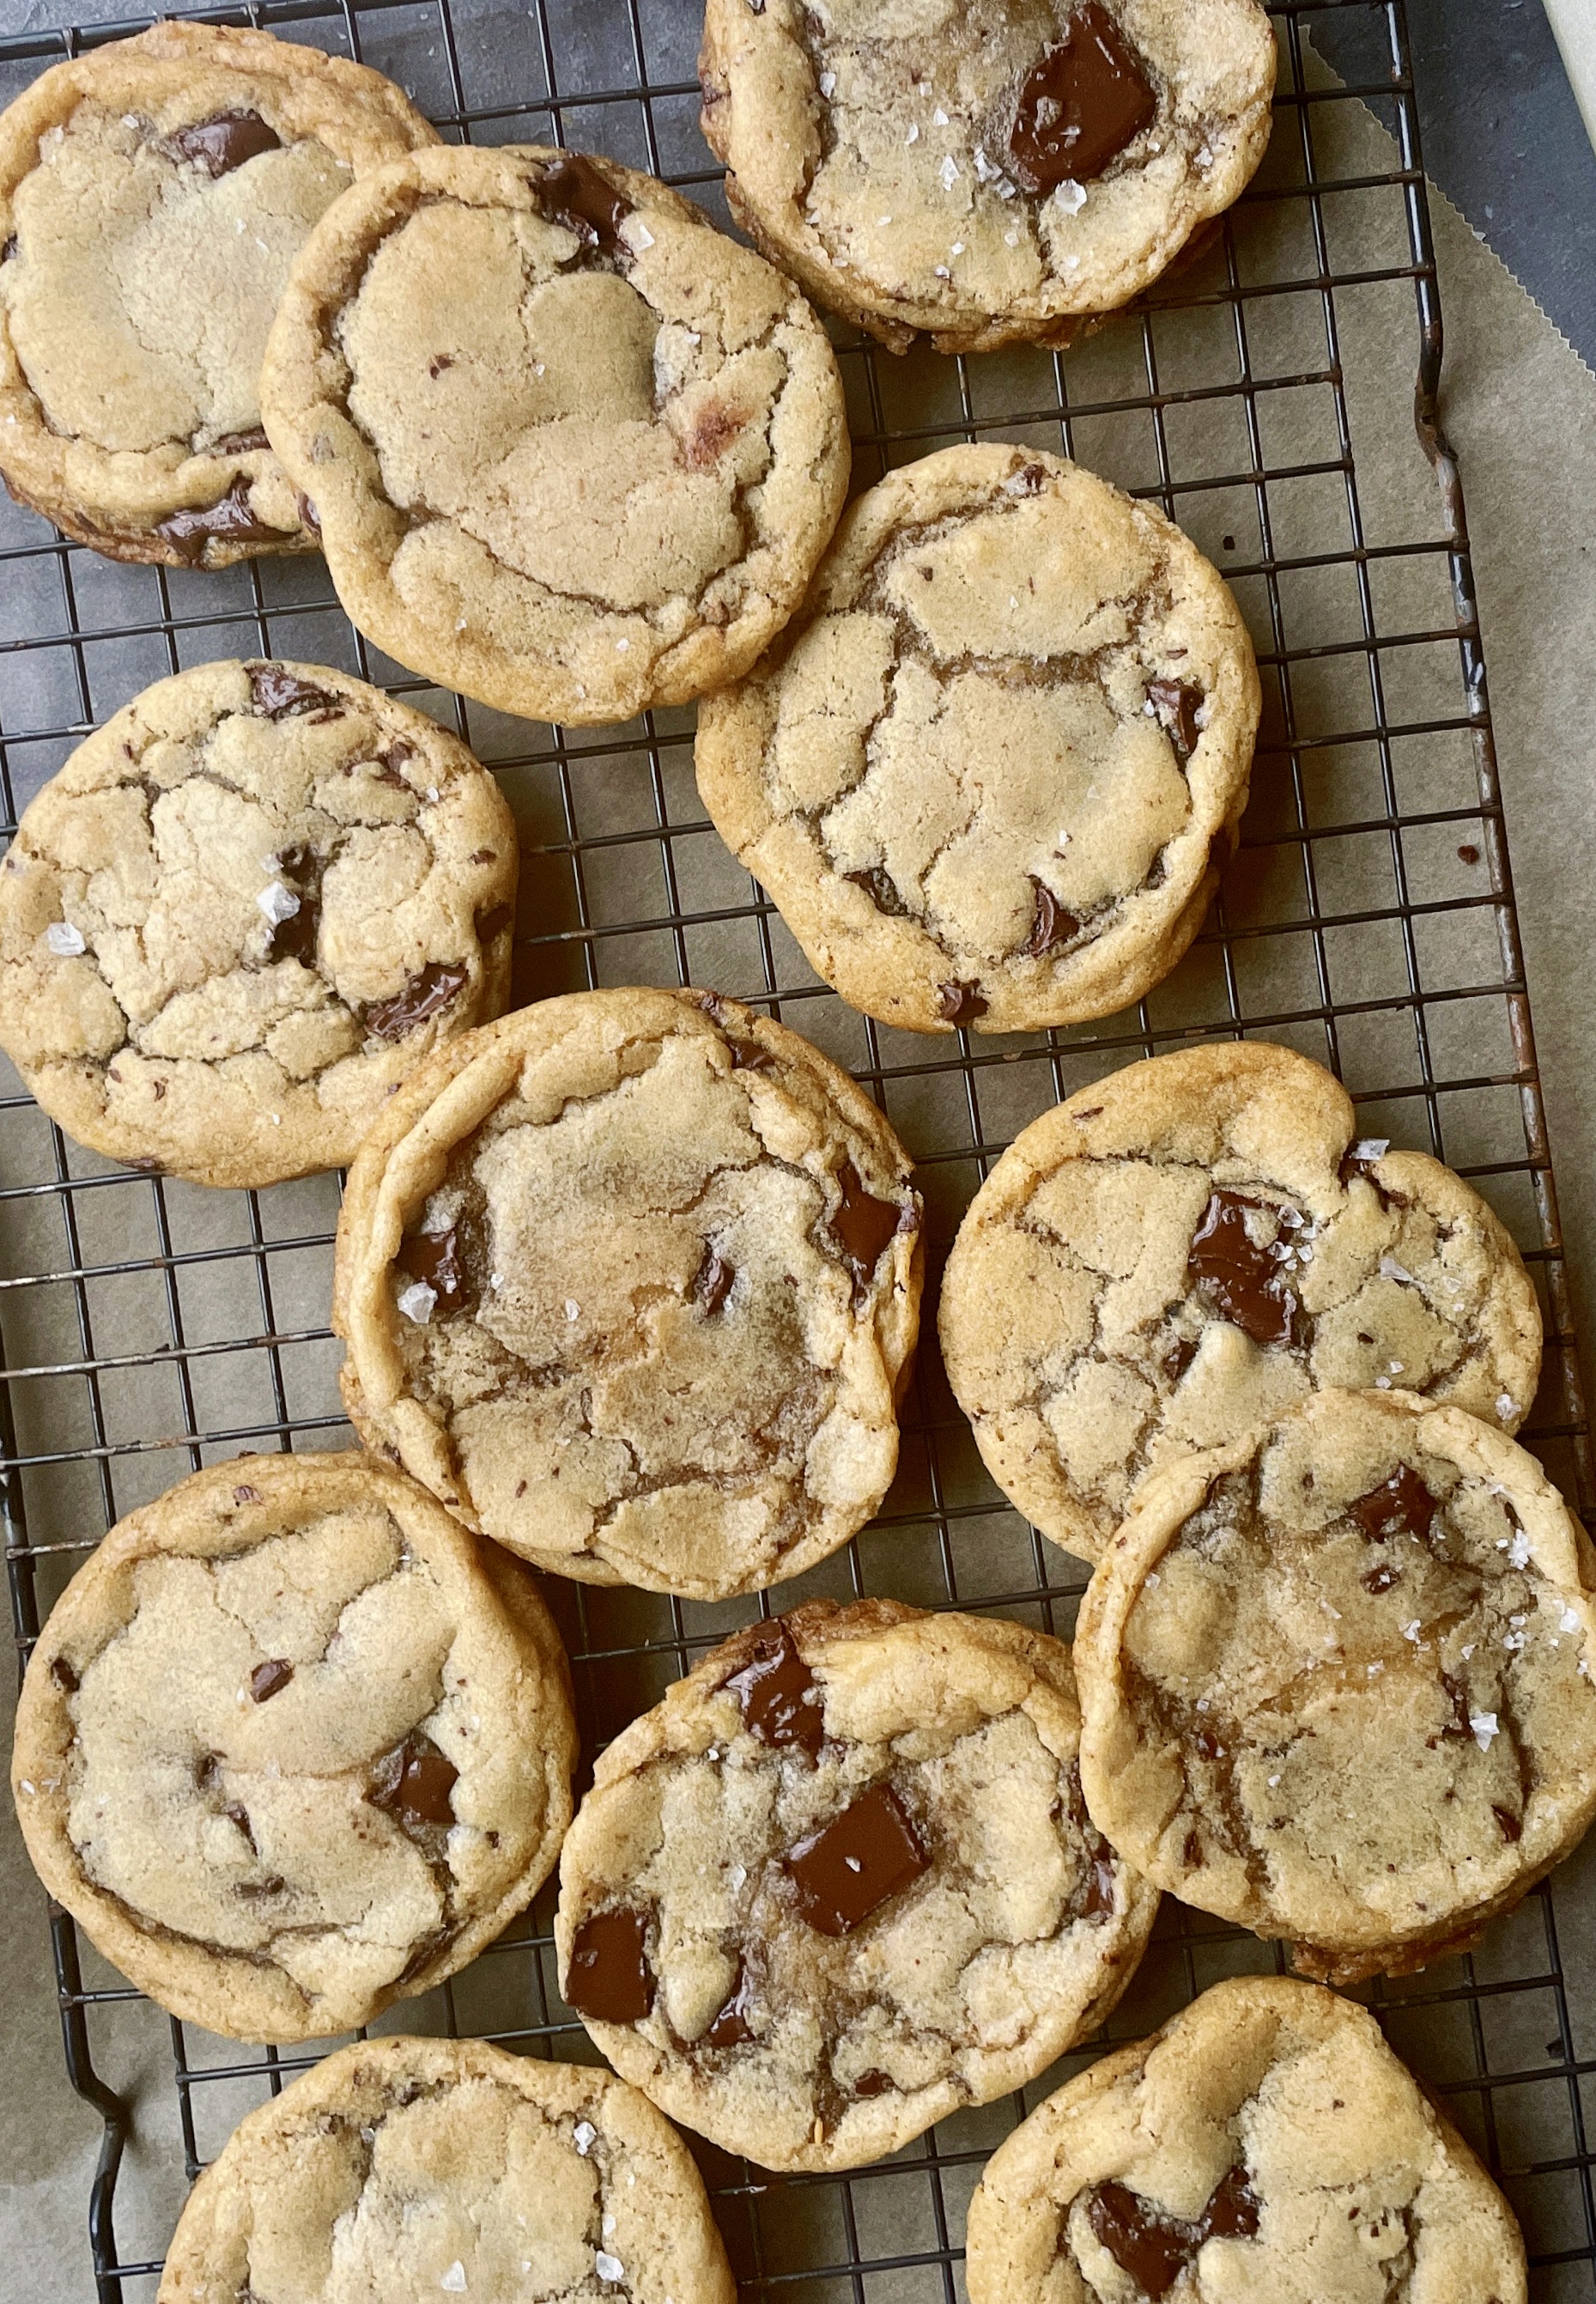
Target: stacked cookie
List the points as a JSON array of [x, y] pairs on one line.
[[630, 1280]]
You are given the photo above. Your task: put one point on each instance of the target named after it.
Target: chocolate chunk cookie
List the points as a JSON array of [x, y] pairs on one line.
[[1336, 1681], [1178, 1251], [841, 1882], [243, 912], [573, 451], [629, 1280], [152, 194], [990, 773], [403, 2168], [1265, 2144], [294, 1746], [986, 170]]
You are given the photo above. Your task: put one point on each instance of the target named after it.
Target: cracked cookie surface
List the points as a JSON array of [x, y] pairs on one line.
[[1264, 2148], [1336, 1681], [573, 451], [241, 913], [1176, 1252], [841, 1882], [629, 1280], [153, 195], [408, 2168], [987, 170], [293, 1745], [990, 772]]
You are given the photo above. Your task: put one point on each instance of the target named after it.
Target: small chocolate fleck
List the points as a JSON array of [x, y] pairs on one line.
[[575, 192], [423, 996], [1382, 1578], [1243, 1279], [1050, 924], [1176, 703], [392, 762], [731, 2027], [238, 444], [269, 1679], [878, 885], [1512, 1825], [9, 251], [310, 518], [276, 693], [609, 1977], [245, 1495], [230, 521], [1468, 853], [435, 1259], [299, 868], [862, 1224], [64, 1676], [748, 1057], [413, 1781], [1082, 102], [847, 1871], [959, 1004], [240, 1817], [272, 1885], [439, 363], [485, 856], [777, 1695], [225, 142], [873, 2083], [1178, 1359], [712, 1282], [1400, 1506], [1100, 1885]]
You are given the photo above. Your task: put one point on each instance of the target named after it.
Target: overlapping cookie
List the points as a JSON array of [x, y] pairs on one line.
[[1176, 1253]]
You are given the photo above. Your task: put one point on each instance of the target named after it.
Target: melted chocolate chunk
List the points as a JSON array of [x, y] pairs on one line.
[[1243, 1279], [1050, 924], [748, 1057], [64, 1676], [269, 1679], [1176, 704], [225, 142], [1178, 1359], [873, 2083], [712, 1282], [574, 192], [413, 1782], [437, 1259], [1082, 102], [493, 923], [422, 996], [238, 444], [1401, 1506], [1512, 1825], [1100, 1886], [609, 1977], [1155, 2249], [862, 1224], [230, 519], [846, 1872], [731, 2026], [276, 693], [310, 518], [959, 1004], [300, 870], [879, 887], [776, 1694]]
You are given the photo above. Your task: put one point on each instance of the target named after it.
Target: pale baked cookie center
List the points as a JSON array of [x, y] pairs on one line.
[[553, 389], [261, 1753], [145, 271]]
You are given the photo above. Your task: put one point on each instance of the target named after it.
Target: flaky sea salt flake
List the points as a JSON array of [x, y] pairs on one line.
[[66, 942], [1483, 1724]]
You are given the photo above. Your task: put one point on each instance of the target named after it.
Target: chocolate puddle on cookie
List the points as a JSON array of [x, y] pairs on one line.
[[1153, 2248], [777, 1694], [1241, 1277], [229, 521], [1082, 102]]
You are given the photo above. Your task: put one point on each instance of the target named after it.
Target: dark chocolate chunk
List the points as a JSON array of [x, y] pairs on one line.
[[300, 870], [238, 444], [1176, 704], [436, 1259], [64, 1676], [1155, 2249], [748, 1057], [776, 1693], [1050, 924], [712, 1282], [413, 1782], [1082, 102], [862, 1224], [269, 1679], [1100, 1885], [1232, 2210], [609, 1977], [434, 988], [731, 2026], [207, 1768], [225, 142], [439, 363], [493, 923], [394, 759], [276, 693], [230, 519], [878, 885], [1178, 1359], [1401, 1506], [1244, 1279], [860, 1860], [1379, 1580], [574, 192], [959, 1004]]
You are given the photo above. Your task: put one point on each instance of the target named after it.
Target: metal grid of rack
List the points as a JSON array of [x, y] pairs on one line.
[[1262, 396]]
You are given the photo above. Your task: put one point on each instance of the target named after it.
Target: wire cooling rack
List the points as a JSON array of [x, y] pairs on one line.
[[1264, 398]]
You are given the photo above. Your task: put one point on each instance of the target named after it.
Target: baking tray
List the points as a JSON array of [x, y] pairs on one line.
[[1264, 396]]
